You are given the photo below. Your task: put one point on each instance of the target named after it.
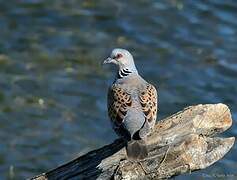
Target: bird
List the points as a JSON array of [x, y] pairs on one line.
[[131, 104]]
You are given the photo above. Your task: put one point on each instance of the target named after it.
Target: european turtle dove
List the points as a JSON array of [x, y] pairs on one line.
[[132, 104]]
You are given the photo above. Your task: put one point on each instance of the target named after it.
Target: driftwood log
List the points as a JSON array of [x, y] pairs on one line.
[[181, 143]]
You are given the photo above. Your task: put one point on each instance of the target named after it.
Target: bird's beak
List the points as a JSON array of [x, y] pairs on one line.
[[107, 61]]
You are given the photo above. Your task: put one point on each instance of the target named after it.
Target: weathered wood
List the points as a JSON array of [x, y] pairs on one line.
[[181, 143]]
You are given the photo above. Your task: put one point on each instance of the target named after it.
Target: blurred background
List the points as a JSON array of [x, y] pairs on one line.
[[53, 89]]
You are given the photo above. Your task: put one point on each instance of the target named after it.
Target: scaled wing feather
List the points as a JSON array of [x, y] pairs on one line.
[[148, 100], [118, 103]]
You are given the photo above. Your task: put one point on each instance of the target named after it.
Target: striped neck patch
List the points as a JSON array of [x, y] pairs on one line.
[[123, 73]]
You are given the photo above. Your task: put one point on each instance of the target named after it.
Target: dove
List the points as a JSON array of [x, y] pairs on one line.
[[131, 103]]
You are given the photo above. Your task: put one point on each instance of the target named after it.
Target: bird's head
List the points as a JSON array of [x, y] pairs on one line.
[[122, 58]]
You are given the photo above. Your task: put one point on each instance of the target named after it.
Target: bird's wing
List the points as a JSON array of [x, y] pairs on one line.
[[148, 101], [118, 103]]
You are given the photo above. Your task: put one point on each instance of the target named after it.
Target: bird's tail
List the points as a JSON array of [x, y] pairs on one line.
[[136, 149]]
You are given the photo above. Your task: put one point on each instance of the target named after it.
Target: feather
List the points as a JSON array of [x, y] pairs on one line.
[[118, 103], [148, 101]]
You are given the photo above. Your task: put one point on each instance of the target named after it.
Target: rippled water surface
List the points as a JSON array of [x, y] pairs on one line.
[[53, 89]]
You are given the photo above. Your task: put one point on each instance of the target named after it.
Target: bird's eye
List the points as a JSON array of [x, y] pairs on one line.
[[119, 56]]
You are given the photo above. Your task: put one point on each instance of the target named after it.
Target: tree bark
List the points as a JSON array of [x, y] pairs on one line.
[[181, 143]]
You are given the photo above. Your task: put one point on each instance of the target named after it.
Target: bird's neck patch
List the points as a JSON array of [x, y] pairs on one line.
[[123, 73]]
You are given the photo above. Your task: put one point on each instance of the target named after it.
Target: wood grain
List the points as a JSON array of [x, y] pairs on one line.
[[181, 143]]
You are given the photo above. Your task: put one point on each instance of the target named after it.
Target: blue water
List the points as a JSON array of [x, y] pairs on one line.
[[53, 89]]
